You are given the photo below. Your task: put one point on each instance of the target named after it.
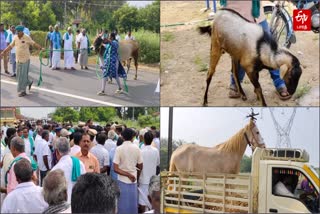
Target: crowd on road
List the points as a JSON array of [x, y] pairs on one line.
[[51, 167], [15, 45]]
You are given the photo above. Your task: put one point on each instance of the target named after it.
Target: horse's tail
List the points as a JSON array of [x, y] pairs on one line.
[[205, 29]]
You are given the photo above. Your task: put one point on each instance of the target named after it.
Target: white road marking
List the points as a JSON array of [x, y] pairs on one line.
[[66, 94]]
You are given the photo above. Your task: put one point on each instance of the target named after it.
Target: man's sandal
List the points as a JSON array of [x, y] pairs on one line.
[[283, 93], [233, 92]]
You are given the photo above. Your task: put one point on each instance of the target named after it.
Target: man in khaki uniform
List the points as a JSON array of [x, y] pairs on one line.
[[22, 43]]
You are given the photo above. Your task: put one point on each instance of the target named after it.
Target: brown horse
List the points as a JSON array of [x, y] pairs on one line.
[[128, 49], [223, 158]]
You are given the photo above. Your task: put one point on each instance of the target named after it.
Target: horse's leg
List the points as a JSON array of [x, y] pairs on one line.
[[235, 71], [254, 78], [136, 66], [215, 54], [128, 65]]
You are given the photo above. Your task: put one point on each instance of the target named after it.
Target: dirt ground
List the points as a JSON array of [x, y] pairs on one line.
[[185, 59]]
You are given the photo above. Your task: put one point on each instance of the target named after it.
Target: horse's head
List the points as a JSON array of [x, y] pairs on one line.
[[97, 44], [253, 136], [292, 76]]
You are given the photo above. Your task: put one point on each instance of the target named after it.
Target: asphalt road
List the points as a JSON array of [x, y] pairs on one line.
[[79, 88]]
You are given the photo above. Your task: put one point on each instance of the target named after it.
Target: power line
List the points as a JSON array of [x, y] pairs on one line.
[[283, 132]]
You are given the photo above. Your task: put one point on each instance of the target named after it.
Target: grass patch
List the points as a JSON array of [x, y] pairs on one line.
[[167, 37], [302, 90], [200, 64]]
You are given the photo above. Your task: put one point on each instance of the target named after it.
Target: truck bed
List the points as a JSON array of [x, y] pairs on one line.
[[208, 193]]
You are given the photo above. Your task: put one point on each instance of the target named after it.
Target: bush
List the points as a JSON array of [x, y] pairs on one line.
[[40, 38], [149, 44]]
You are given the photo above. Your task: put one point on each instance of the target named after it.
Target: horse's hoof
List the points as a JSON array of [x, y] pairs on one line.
[[244, 98], [135, 78], [205, 104]]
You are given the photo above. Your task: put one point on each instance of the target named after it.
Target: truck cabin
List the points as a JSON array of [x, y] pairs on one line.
[[292, 183]]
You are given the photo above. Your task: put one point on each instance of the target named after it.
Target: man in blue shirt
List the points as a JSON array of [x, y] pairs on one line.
[[3, 36], [56, 40]]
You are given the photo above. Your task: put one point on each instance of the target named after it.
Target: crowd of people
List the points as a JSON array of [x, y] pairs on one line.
[[15, 42], [50, 168]]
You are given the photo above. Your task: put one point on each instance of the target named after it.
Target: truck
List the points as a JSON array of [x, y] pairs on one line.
[[255, 192]]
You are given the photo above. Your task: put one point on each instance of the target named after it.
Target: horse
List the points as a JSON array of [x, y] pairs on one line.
[[223, 158], [128, 49]]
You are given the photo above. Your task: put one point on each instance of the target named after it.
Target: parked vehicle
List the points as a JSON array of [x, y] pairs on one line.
[[281, 23], [255, 192]]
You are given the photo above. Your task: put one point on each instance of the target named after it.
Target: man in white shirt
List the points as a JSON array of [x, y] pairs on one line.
[[4, 129], [118, 38], [128, 165], [110, 144], [129, 36], [76, 140], [38, 137], [26, 197], [83, 42], [13, 50], [28, 142], [101, 153], [151, 159], [68, 53], [281, 188], [43, 155], [69, 165]]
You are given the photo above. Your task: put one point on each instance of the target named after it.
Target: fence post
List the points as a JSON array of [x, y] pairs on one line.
[[170, 135]]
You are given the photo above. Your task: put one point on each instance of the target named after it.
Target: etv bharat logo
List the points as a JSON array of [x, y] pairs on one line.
[[301, 20]]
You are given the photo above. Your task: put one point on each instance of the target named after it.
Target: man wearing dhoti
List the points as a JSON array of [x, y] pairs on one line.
[[84, 46], [56, 47], [68, 52], [22, 43]]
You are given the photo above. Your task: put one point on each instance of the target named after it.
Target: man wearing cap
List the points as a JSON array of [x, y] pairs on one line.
[[22, 43], [56, 47], [3, 37], [68, 53], [92, 133], [65, 133], [13, 51], [90, 162]]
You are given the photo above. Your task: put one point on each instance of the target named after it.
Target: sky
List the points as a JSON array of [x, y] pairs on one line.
[[211, 126], [36, 112], [139, 3]]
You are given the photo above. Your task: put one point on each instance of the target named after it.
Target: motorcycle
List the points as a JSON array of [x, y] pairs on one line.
[[280, 20]]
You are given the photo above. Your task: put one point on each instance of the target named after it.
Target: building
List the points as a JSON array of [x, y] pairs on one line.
[[9, 115]]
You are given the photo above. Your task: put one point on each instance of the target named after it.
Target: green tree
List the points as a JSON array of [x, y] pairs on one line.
[[148, 120], [126, 18], [65, 114], [245, 164], [99, 114], [149, 17]]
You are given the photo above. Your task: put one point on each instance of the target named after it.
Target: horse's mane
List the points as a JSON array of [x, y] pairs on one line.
[[234, 143]]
